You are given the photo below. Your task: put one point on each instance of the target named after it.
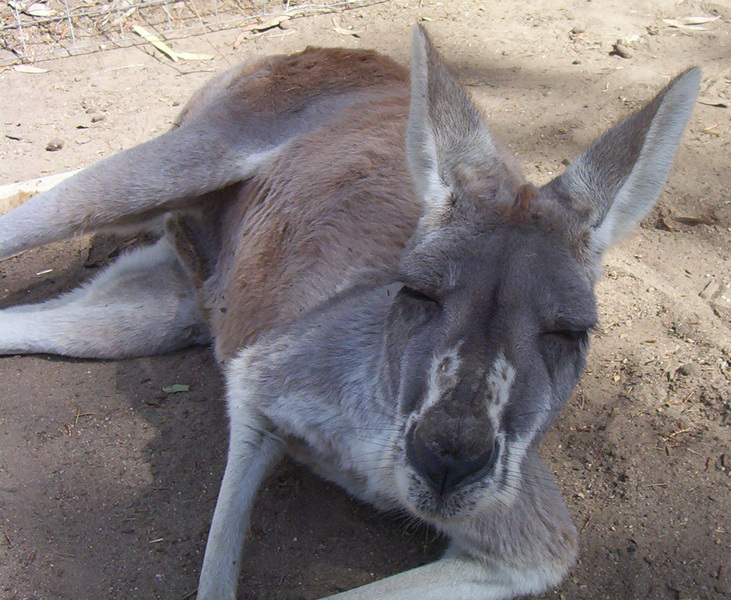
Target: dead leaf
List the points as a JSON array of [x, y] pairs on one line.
[[193, 56], [259, 27], [176, 388], [716, 104], [29, 69], [271, 24], [710, 219], [698, 20], [710, 131], [156, 42], [343, 31], [245, 31], [39, 10], [339, 29], [690, 23]]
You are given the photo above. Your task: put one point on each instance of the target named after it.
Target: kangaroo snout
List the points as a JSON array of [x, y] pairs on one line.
[[446, 470]]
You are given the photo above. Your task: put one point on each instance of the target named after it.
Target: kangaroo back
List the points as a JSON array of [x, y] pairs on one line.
[[331, 204]]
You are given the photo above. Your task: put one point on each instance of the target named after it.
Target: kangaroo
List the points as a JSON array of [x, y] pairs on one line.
[[392, 303]]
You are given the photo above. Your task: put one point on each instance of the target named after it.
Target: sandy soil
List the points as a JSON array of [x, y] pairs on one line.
[[107, 484]]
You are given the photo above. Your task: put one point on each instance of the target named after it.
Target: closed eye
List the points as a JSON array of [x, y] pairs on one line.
[[417, 295], [572, 337]]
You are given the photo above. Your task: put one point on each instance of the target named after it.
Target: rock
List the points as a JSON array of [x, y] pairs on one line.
[[54, 145], [621, 50]]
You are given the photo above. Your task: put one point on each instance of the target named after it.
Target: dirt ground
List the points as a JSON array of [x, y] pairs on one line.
[[107, 483]]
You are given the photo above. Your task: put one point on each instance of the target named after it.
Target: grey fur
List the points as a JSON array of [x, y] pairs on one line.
[[416, 361]]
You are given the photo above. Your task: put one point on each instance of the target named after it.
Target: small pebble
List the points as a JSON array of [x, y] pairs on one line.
[[54, 145], [690, 369], [621, 50]]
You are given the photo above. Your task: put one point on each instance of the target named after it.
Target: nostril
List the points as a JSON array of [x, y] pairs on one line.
[[467, 471], [428, 464], [442, 472]]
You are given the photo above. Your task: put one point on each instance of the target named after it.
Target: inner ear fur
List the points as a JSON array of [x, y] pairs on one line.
[[450, 150], [613, 184]]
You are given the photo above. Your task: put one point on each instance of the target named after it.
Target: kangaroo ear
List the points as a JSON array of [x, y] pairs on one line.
[[447, 142], [615, 182]]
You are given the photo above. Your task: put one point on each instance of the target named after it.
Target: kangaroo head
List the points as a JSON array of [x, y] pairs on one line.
[[489, 333]]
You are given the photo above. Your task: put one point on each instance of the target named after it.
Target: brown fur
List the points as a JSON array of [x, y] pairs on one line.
[[351, 199], [279, 270], [523, 199], [284, 82]]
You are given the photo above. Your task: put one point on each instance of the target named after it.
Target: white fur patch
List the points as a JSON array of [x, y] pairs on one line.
[[442, 376], [500, 381]]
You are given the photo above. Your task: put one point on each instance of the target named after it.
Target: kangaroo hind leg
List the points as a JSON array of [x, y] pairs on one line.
[[231, 129], [143, 304]]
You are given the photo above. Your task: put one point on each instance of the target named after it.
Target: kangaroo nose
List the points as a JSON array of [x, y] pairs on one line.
[[443, 473]]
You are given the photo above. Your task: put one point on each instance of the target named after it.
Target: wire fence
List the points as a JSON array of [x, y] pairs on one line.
[[32, 29]]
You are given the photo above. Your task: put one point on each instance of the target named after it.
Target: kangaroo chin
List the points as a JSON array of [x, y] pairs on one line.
[[391, 301]]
